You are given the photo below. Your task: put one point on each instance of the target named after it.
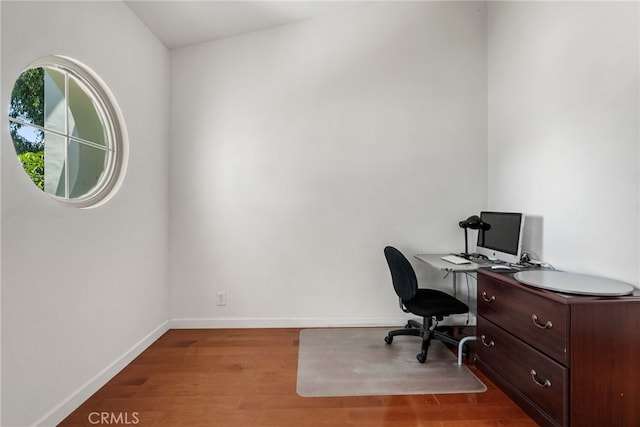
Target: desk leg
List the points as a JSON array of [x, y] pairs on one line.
[[455, 284], [465, 339], [460, 344]]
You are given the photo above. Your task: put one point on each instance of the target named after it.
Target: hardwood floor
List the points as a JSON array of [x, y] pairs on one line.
[[247, 377]]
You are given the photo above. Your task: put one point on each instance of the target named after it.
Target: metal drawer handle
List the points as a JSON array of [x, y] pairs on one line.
[[547, 325], [486, 298], [534, 377], [489, 344]]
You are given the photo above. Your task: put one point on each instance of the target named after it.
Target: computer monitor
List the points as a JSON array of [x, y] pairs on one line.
[[500, 237]]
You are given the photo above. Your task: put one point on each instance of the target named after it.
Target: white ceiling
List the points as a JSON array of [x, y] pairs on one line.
[[181, 23]]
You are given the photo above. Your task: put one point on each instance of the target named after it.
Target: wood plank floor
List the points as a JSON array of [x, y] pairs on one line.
[[247, 377]]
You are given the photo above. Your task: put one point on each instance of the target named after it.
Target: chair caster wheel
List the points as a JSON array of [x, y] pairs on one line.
[[388, 339], [421, 357]]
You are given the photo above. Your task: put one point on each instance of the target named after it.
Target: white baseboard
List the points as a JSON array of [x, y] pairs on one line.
[[71, 403], [224, 323]]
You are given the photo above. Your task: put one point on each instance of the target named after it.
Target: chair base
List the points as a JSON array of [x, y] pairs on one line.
[[424, 330]]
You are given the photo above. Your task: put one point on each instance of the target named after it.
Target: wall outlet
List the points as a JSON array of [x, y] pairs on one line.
[[221, 298]]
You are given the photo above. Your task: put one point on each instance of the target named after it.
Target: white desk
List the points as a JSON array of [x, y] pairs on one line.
[[436, 261]]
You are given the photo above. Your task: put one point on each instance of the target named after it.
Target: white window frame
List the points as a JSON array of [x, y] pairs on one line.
[[111, 118]]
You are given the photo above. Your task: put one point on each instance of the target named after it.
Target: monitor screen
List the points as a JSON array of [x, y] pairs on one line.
[[500, 238]]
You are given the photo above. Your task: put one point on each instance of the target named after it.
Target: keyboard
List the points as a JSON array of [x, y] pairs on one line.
[[454, 259]]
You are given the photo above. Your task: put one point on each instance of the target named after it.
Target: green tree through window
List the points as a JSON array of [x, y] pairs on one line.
[[33, 164], [27, 104]]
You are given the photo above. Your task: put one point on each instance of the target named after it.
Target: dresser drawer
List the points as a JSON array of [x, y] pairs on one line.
[[537, 320], [541, 380]]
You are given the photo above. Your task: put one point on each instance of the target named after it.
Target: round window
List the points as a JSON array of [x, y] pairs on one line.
[[66, 131]]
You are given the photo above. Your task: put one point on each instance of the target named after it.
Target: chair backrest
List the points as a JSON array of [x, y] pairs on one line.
[[403, 276]]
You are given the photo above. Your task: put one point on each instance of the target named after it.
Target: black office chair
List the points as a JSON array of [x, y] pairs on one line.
[[430, 304]]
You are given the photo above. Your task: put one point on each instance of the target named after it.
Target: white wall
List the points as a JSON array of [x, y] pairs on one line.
[[299, 152], [2, 137], [83, 291], [564, 123]]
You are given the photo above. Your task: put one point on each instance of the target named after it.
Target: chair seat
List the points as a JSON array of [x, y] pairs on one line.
[[435, 303]]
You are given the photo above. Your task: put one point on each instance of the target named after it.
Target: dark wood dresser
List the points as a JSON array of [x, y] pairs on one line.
[[567, 360]]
